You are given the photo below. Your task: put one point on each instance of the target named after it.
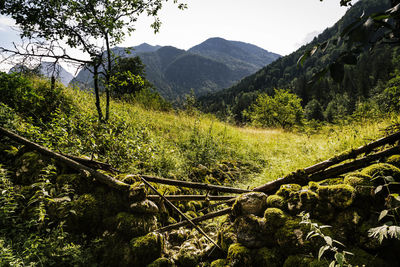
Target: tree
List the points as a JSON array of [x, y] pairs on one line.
[[93, 26], [128, 77], [368, 31], [281, 110]]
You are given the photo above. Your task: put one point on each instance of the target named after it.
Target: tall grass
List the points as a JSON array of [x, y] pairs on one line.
[[181, 137]]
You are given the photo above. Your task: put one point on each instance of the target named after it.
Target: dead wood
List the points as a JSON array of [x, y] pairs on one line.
[[102, 178], [191, 197], [301, 175], [180, 212], [208, 216], [195, 185]]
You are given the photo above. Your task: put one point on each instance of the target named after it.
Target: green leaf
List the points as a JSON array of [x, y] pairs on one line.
[[378, 189], [389, 179], [383, 214], [339, 257], [328, 240], [322, 251], [332, 264]]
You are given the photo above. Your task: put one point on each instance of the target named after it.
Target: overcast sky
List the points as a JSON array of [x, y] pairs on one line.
[[279, 26]]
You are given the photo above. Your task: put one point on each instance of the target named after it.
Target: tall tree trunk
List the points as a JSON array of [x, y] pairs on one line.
[[96, 90], [396, 31], [108, 76]]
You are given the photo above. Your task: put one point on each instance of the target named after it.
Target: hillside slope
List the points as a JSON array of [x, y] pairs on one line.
[[285, 72], [208, 67]]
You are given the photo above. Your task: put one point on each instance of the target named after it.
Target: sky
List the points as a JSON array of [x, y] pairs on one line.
[[279, 26]]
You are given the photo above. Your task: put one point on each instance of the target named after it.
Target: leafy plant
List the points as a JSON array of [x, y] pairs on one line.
[[330, 243], [391, 228]]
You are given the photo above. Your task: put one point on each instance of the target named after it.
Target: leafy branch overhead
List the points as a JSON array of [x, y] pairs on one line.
[[365, 32], [93, 26]]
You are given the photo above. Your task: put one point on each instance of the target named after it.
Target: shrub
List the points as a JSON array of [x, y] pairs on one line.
[[313, 111], [281, 110]]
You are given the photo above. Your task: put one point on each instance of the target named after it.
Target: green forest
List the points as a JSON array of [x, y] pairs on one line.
[[286, 168]]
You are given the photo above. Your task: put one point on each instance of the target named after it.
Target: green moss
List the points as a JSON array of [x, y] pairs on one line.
[[144, 207], [287, 190], [341, 195], [226, 237], [291, 237], [137, 192], [308, 199], [239, 255], [331, 181], [274, 217], [129, 225], [275, 201], [146, 249], [191, 214], [218, 263], [250, 203], [161, 262], [362, 258], [313, 186], [382, 169], [266, 257], [304, 261], [394, 160]]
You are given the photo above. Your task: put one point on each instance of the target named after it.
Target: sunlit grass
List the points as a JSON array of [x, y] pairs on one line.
[[279, 152]]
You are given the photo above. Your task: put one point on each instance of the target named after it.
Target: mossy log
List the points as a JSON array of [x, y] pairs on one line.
[[190, 197], [195, 185], [103, 178], [299, 176]]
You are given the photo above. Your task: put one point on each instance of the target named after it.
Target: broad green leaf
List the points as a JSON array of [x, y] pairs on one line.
[[339, 257], [378, 189], [328, 240], [383, 214], [322, 251]]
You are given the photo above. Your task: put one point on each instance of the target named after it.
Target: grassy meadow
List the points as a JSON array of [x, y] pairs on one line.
[[180, 141]]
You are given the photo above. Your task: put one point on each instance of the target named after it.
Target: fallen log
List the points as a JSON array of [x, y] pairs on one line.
[[190, 197], [300, 175], [102, 178], [195, 185], [94, 164], [208, 216], [354, 165], [180, 212]]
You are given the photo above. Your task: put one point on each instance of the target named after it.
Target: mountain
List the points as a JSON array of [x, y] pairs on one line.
[[47, 69], [358, 83], [208, 67]]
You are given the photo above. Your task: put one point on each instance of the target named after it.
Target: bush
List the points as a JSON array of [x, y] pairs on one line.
[[32, 96], [281, 110], [313, 111]]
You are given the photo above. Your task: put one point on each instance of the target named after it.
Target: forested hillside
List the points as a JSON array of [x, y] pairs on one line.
[[208, 67], [360, 83]]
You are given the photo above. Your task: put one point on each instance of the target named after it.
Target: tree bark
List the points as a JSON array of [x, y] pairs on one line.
[[97, 91]]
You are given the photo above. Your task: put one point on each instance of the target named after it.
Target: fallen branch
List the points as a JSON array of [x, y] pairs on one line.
[[103, 178], [191, 197], [180, 212], [298, 176], [195, 220], [94, 164], [354, 165], [195, 185]]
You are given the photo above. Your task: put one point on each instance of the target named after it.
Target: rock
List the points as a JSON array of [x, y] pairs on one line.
[[162, 262], [144, 207], [129, 225], [394, 160], [382, 170], [137, 192], [146, 249], [87, 214], [176, 237], [226, 237], [250, 203], [218, 263], [189, 255], [274, 218], [250, 231], [340, 196], [304, 261], [238, 256], [275, 201], [287, 190], [266, 257]]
